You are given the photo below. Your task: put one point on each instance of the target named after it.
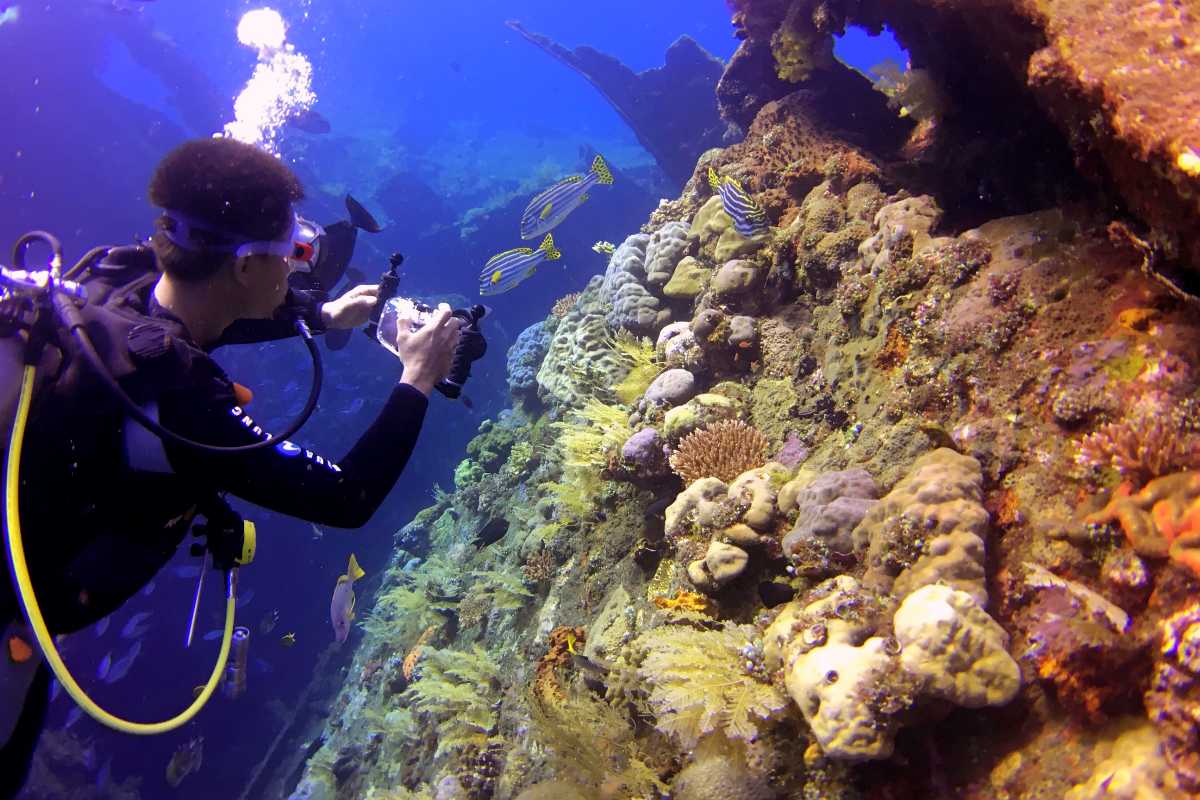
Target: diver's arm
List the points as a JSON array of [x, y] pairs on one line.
[[303, 303], [288, 478]]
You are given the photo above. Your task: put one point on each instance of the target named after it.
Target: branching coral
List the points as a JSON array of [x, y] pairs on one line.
[[457, 688], [699, 683], [723, 450], [539, 566], [1158, 435], [564, 304]]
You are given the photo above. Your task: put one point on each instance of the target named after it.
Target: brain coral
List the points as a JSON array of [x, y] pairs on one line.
[[623, 290], [524, 358], [580, 361]]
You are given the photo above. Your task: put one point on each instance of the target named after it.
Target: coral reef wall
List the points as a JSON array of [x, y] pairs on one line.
[[873, 502]]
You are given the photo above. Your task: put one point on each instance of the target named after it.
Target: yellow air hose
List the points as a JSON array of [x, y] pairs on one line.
[[16, 552]]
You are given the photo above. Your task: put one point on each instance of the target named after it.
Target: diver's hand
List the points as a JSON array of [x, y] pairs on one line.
[[351, 309], [428, 353]]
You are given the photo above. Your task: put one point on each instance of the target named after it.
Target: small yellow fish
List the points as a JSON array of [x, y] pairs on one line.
[[606, 248], [571, 644], [288, 639]]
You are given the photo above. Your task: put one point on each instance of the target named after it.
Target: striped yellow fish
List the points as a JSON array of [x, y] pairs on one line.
[[552, 206], [748, 218], [504, 271]]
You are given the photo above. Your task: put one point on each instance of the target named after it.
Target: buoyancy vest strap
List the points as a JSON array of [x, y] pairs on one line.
[[144, 452]]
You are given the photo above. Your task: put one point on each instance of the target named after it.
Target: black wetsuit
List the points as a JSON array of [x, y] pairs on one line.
[[100, 518]]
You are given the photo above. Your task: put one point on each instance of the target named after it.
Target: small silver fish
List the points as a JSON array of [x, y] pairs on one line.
[[341, 607], [105, 666], [318, 532], [102, 626], [133, 628], [550, 207], [121, 668]]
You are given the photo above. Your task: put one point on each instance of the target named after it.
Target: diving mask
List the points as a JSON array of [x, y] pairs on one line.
[[301, 246]]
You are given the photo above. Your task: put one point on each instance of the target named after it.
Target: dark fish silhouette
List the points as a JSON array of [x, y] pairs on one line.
[[309, 121], [361, 217], [491, 533]]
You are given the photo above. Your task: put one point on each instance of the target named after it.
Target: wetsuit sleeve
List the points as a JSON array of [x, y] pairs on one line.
[[289, 478], [304, 303]]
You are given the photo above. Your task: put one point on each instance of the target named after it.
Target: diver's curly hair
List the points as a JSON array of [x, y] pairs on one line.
[[232, 185]]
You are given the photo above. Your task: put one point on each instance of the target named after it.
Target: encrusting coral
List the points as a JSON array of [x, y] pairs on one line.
[[723, 451]]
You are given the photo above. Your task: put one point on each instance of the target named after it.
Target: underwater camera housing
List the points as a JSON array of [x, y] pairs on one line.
[[390, 309]]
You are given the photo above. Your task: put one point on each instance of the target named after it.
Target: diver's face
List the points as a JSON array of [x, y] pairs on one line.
[[264, 279]]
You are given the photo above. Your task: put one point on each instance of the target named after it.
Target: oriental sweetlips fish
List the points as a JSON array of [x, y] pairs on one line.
[[506, 270], [748, 218], [552, 206], [341, 607]]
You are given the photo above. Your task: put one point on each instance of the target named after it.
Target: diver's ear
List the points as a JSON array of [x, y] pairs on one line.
[[241, 270]]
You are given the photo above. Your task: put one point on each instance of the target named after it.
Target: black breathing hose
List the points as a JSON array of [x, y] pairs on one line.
[[69, 314]]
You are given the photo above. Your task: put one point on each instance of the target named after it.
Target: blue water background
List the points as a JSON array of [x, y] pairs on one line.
[[441, 116]]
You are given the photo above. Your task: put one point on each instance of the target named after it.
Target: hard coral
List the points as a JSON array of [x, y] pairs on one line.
[[564, 304], [723, 450], [539, 567], [1173, 701]]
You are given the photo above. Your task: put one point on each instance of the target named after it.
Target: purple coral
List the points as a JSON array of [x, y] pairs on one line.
[[645, 453], [793, 452]]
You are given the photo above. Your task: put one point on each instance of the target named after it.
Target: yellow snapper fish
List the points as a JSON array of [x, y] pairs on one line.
[[550, 207], [506, 270], [341, 607], [748, 218]]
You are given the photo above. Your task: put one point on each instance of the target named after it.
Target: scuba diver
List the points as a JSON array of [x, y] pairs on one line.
[[104, 502]]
